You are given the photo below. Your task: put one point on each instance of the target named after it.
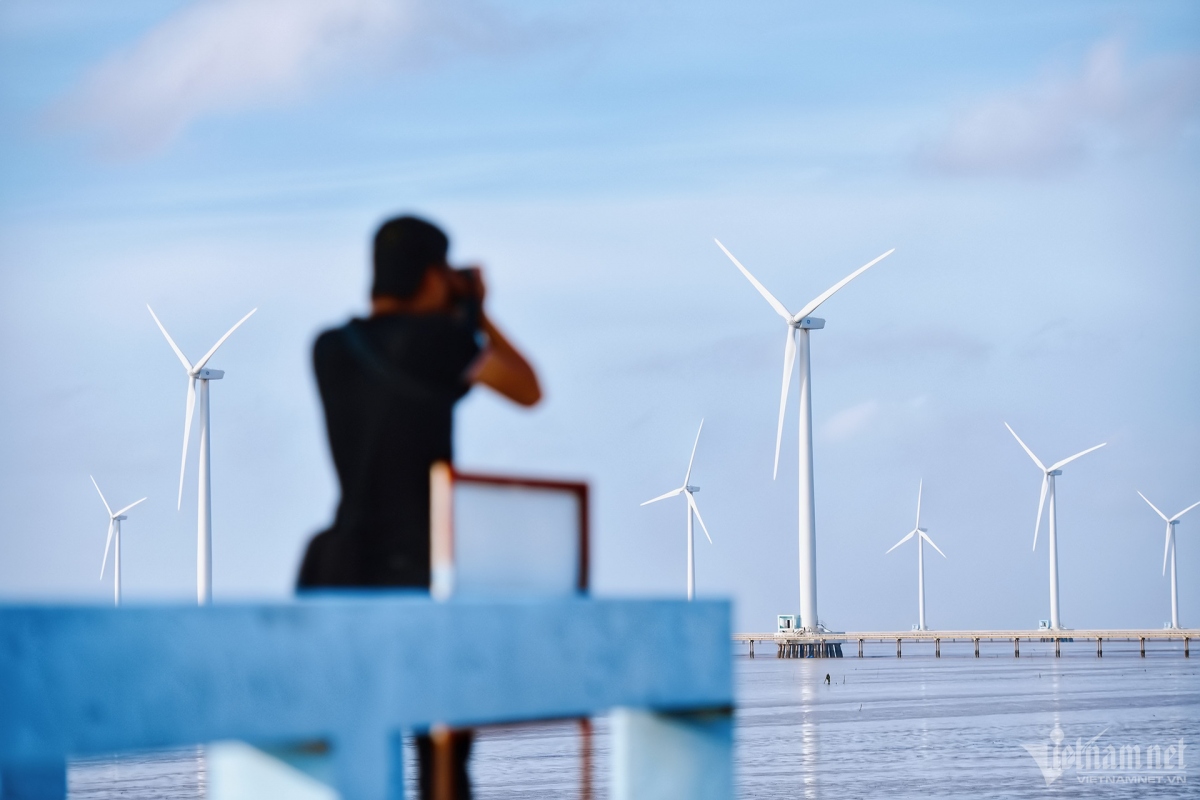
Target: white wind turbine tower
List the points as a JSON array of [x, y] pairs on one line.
[[1048, 476], [114, 538], [798, 326], [1170, 548], [199, 372], [688, 490], [922, 536]]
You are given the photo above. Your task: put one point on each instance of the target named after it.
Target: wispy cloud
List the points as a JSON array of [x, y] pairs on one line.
[[893, 344], [214, 56], [850, 421], [1058, 121]]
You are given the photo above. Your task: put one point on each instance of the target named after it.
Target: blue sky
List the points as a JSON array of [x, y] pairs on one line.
[[1035, 165]]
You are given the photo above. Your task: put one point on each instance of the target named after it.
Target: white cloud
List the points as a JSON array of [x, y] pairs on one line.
[[1058, 121], [216, 56], [850, 421]]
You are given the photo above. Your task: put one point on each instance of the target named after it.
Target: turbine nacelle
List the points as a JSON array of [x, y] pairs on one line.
[[808, 323], [207, 374], [692, 489]]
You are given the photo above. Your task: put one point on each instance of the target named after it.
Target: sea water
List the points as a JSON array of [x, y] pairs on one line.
[[916, 726]]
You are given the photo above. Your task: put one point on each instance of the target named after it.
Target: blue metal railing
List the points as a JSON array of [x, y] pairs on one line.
[[357, 671]]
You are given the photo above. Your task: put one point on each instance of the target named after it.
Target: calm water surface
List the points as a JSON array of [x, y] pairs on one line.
[[883, 727]]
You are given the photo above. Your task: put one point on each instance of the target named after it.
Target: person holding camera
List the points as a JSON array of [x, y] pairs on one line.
[[388, 384]]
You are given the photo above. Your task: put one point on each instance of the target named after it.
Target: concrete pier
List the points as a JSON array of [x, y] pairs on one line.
[[825, 645]]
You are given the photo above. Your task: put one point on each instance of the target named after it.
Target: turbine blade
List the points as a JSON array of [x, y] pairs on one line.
[[902, 541], [688, 477], [828, 293], [102, 500], [1181, 513], [1041, 502], [925, 536], [187, 432], [107, 542], [770, 298], [187, 365], [1024, 447], [1166, 549], [126, 508], [695, 508], [663, 496], [920, 488], [789, 362], [200, 364], [1156, 511], [1066, 461]]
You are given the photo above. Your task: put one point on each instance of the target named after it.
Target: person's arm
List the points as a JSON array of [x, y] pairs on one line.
[[502, 368]]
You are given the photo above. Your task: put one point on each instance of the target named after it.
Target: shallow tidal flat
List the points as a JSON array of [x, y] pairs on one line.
[[916, 726]]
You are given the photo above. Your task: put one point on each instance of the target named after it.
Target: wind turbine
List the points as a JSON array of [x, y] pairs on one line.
[[114, 536], [922, 536], [198, 372], [798, 326], [1170, 548], [688, 490], [1048, 476]]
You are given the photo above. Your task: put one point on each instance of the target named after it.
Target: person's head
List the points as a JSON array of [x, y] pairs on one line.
[[405, 250]]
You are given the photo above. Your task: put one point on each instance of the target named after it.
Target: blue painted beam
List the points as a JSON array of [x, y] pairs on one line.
[[352, 669]]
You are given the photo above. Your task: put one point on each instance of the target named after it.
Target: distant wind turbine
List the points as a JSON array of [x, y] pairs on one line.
[[114, 538], [1048, 476], [199, 372], [688, 490], [798, 326], [1170, 548], [922, 536]]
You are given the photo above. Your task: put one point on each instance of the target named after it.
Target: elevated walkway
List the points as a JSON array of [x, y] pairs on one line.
[[821, 644]]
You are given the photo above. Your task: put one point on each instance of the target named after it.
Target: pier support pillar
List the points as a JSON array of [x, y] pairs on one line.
[[672, 756], [1185, 648], [1099, 647], [977, 647], [752, 648], [1016, 647], [897, 648], [937, 648], [860, 647], [1142, 645], [1057, 651]]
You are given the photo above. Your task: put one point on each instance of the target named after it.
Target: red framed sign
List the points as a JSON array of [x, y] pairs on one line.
[[506, 535]]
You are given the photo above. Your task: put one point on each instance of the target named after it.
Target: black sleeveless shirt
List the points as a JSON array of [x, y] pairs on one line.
[[388, 385]]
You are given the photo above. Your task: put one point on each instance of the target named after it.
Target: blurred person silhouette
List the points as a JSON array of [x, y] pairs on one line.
[[388, 384]]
